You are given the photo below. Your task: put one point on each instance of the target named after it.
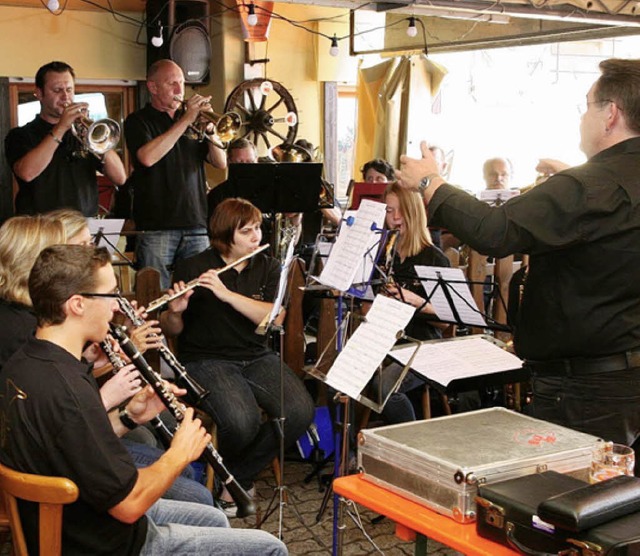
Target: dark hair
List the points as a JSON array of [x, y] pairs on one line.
[[228, 216], [55, 67], [241, 143], [379, 165], [620, 83], [59, 272]]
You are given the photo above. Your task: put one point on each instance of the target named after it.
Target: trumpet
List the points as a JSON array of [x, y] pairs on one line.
[[95, 137], [226, 126], [166, 298]]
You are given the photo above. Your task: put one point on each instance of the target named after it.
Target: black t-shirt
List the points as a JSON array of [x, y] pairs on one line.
[[213, 329], [56, 425], [18, 324], [405, 274], [68, 181], [171, 194]]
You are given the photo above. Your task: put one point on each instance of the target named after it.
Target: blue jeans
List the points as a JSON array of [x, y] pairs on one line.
[[183, 488], [161, 249], [182, 528], [240, 392], [398, 408]]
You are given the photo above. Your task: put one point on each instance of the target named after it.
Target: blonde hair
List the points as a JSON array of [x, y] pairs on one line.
[[21, 240], [414, 214], [72, 220]]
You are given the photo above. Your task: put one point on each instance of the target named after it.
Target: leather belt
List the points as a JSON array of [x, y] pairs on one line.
[[577, 366]]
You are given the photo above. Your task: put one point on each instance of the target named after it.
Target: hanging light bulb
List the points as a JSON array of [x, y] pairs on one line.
[[334, 50], [252, 18], [412, 30], [53, 5], [157, 39]]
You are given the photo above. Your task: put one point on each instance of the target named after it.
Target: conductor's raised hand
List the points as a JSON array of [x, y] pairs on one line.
[[412, 170]]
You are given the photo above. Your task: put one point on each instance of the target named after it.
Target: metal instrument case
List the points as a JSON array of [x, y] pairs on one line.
[[440, 462]]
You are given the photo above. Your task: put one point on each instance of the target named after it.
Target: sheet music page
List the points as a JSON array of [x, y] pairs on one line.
[[460, 294], [282, 288], [110, 229], [369, 345], [445, 361], [351, 245]]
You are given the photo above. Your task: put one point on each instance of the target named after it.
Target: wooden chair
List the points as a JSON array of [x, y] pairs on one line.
[[50, 493]]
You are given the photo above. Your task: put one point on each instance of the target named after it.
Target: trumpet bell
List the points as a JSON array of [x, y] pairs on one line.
[[290, 153], [97, 137], [228, 126]]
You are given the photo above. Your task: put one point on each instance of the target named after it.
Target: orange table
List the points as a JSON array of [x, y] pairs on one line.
[[414, 521]]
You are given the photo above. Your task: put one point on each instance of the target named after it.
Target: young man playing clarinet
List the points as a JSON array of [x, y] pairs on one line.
[[54, 423], [215, 324]]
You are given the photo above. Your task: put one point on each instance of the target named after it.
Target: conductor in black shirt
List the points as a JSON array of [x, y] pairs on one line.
[[578, 326]]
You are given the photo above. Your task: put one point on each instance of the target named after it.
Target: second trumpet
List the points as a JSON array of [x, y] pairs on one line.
[[225, 126]]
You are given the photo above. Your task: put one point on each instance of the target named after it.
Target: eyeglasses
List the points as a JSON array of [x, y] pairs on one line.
[[116, 294], [588, 103]]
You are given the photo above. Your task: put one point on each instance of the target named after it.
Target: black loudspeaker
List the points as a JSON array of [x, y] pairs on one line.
[[185, 34]]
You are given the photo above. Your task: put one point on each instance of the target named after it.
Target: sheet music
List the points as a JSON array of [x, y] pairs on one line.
[[369, 345], [445, 361], [108, 227], [460, 294], [282, 288], [351, 245]]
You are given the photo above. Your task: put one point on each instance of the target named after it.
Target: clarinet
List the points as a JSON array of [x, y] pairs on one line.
[[240, 497], [117, 362], [195, 392]]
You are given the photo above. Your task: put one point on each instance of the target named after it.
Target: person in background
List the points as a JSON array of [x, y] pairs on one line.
[[169, 180], [497, 173], [378, 171], [411, 245], [43, 153]]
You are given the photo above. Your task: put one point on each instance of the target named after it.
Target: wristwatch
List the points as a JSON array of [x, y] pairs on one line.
[[126, 419], [426, 182]]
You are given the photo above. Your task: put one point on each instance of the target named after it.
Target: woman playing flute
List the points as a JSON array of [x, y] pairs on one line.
[[215, 325]]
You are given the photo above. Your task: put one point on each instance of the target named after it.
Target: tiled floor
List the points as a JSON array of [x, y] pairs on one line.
[[311, 537]]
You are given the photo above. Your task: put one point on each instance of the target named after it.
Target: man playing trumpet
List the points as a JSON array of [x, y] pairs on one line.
[[42, 153], [169, 179]]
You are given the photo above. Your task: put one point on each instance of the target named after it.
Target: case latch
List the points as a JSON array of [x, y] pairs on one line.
[[493, 514]]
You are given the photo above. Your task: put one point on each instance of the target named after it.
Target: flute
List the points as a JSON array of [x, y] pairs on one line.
[[166, 298], [240, 496]]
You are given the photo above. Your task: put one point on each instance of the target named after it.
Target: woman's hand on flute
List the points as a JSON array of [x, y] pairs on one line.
[[212, 282], [179, 304]]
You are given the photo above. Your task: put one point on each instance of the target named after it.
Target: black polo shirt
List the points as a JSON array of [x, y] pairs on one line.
[[421, 325], [18, 324], [68, 181], [56, 425], [213, 329], [172, 193]]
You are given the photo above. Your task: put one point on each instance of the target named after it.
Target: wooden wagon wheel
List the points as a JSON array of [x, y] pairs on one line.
[[267, 110]]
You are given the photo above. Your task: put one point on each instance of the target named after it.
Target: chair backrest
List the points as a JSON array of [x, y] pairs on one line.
[[50, 493]]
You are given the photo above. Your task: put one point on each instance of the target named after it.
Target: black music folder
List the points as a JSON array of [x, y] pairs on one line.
[[277, 187]]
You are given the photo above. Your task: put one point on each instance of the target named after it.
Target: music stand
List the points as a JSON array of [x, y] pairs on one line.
[[366, 190], [277, 187], [102, 229]]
